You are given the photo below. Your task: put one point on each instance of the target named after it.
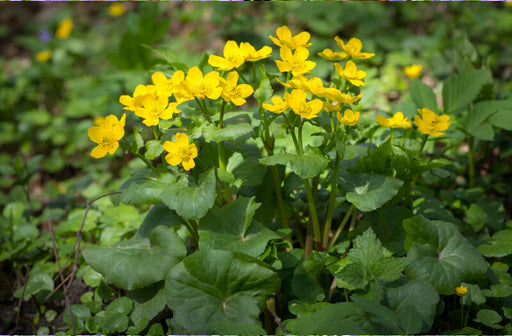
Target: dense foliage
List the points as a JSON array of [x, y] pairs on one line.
[[256, 168]]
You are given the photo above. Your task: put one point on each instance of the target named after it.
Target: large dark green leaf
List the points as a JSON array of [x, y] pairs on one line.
[[212, 286], [439, 254], [159, 214], [138, 262], [213, 133], [191, 202], [369, 191], [143, 188], [459, 90], [306, 166], [416, 294], [232, 228], [338, 318]]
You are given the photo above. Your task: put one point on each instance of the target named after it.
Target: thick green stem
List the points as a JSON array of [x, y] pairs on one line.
[[471, 162], [332, 199], [312, 211], [203, 110], [194, 231], [222, 153], [344, 222], [155, 132], [279, 196]]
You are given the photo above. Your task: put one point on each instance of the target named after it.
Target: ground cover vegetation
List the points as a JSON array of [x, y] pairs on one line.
[[256, 168]]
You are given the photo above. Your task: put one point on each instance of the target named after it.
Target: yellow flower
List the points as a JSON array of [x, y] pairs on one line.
[[168, 86], [297, 102], [413, 71], [285, 39], [234, 56], [330, 55], [340, 97], [252, 55], [44, 56], [153, 108], [353, 48], [396, 121], [351, 73], [508, 3], [313, 85], [331, 107], [135, 102], [116, 9], [106, 133], [461, 290], [294, 62], [231, 92], [278, 105], [201, 87], [181, 152], [64, 29], [349, 118], [431, 123]]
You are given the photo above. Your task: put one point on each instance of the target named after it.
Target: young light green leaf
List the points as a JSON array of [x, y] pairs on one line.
[[423, 96], [499, 245], [459, 90], [306, 166]]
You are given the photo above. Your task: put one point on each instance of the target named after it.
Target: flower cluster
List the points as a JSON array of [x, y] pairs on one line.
[[294, 61], [304, 95]]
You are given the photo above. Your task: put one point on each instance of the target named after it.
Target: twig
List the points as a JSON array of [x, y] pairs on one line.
[[21, 299], [271, 307], [56, 253]]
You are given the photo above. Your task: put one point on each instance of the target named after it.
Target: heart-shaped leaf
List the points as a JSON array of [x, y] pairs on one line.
[[138, 262], [191, 202], [439, 254], [212, 286], [369, 191], [306, 166]]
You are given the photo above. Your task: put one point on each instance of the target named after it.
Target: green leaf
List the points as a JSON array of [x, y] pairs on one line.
[[369, 191], [439, 254], [137, 262], [143, 188], [232, 228], [306, 166], [369, 261], [213, 286], [385, 320], [486, 213], [418, 294], [236, 328], [499, 245], [122, 305], [459, 90], [191, 202], [392, 235], [338, 318], [489, 318], [503, 118], [153, 149], [212, 133], [498, 291], [159, 214], [148, 309], [484, 111], [423, 96]]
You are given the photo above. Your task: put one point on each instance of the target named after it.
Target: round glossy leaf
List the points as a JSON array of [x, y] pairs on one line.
[[213, 286]]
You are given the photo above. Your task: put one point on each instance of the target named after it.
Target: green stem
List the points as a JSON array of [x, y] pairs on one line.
[[203, 110], [423, 142], [344, 222], [312, 211], [279, 196], [155, 132], [332, 200], [471, 161], [148, 163], [461, 314], [194, 230], [222, 153]]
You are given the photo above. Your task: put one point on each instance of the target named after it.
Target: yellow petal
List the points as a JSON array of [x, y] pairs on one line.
[[188, 164], [181, 140], [98, 152]]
